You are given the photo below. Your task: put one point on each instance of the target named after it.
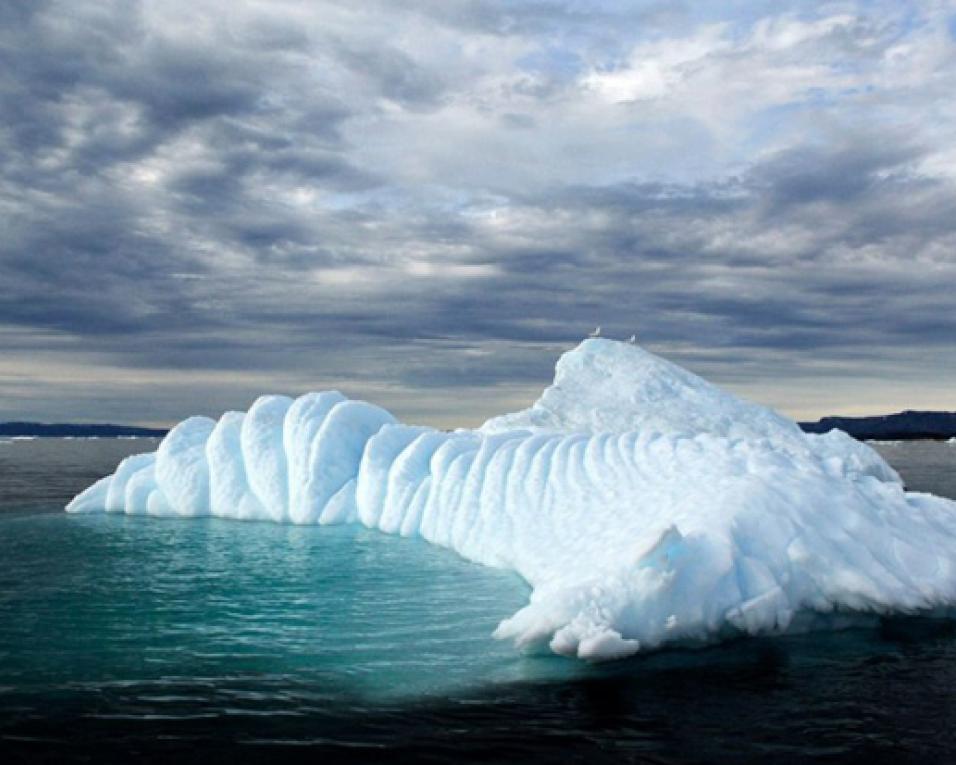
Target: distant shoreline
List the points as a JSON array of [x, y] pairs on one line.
[[73, 430], [901, 426]]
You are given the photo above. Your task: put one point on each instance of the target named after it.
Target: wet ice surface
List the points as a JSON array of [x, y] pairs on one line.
[[123, 634]]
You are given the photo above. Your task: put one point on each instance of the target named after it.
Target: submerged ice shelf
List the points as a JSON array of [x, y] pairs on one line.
[[642, 504]]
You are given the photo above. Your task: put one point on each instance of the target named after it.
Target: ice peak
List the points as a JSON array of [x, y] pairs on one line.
[[614, 386]]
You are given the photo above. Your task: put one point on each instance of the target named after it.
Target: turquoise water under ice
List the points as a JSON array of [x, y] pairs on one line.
[[142, 634], [103, 599]]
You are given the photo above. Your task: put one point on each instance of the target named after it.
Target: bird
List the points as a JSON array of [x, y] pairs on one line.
[[632, 339], [596, 332]]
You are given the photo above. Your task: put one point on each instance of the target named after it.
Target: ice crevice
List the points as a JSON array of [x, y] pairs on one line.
[[643, 505]]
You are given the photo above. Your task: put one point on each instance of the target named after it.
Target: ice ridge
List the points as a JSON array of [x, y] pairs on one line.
[[642, 504]]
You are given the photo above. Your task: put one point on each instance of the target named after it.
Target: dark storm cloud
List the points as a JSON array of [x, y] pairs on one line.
[[442, 196], [828, 250]]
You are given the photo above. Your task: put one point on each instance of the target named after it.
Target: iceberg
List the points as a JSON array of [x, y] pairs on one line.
[[643, 505]]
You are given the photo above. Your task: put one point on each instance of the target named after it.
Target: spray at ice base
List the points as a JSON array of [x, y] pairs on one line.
[[642, 504]]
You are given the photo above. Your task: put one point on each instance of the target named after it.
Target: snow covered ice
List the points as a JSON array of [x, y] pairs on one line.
[[642, 504]]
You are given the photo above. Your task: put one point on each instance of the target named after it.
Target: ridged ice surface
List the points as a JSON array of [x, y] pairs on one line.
[[643, 505]]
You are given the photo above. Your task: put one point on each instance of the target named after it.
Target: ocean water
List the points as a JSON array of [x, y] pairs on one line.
[[153, 638]]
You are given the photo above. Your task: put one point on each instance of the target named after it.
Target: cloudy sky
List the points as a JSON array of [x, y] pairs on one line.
[[424, 203]]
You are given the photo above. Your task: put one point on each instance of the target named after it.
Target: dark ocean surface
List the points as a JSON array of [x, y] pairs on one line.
[[179, 640]]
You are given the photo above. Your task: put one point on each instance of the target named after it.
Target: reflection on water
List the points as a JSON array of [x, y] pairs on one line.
[[170, 638]]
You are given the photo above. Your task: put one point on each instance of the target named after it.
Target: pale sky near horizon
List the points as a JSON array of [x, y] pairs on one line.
[[423, 204]]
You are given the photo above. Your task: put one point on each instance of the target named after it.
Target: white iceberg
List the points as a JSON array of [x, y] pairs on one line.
[[642, 504]]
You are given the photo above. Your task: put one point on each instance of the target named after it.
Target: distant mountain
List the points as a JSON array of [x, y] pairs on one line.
[[890, 427], [59, 430]]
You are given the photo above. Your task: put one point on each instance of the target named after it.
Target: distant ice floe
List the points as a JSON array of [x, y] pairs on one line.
[[643, 505]]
